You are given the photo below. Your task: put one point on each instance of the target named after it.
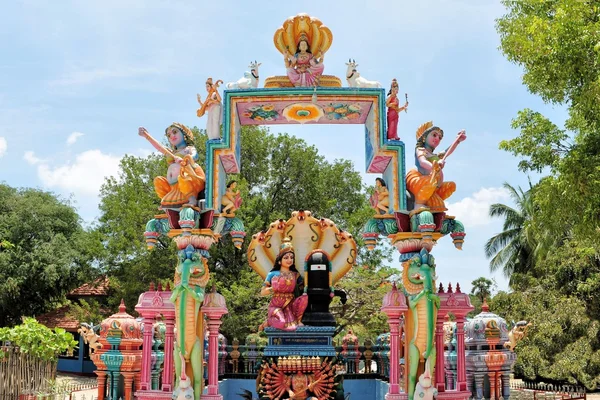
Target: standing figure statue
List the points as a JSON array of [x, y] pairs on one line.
[[185, 179], [286, 285], [304, 69], [213, 107], [426, 182], [393, 105]]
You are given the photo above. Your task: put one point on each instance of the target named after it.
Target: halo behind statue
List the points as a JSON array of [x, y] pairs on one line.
[[306, 234], [303, 26]]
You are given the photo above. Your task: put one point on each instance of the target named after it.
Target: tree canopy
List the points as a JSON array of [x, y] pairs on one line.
[[558, 46], [45, 252]]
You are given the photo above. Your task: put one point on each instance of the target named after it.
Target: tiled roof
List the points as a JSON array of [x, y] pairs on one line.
[[97, 288], [59, 318]]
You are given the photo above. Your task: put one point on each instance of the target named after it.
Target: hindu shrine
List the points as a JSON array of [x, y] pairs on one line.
[[301, 257]]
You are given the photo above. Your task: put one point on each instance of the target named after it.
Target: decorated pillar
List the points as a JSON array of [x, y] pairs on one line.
[[168, 372], [394, 306], [461, 371], [128, 378], [101, 384], [439, 346], [214, 308], [147, 354]]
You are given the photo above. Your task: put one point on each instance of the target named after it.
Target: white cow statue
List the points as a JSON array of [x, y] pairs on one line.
[[249, 80], [355, 80]]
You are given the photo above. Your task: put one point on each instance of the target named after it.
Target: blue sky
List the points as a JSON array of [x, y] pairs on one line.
[[78, 78]]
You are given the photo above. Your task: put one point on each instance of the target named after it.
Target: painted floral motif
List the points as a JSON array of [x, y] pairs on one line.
[[342, 111], [303, 112], [264, 112]]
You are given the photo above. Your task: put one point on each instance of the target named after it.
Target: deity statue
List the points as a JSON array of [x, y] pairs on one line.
[[303, 68], [185, 179], [231, 200], [303, 41], [426, 182], [286, 285], [213, 107], [393, 105], [380, 200]]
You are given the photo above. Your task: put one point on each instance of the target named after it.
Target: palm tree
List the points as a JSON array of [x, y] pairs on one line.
[[512, 250], [482, 288]]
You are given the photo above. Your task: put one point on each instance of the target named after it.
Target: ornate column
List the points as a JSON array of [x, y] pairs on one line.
[[505, 384], [394, 305], [128, 377], [461, 367], [439, 348], [146, 354], [101, 384], [478, 385], [167, 377], [214, 308], [492, 378]]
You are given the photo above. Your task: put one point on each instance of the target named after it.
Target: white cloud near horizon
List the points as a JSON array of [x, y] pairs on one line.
[[474, 210], [85, 176], [73, 138], [3, 146], [31, 158]]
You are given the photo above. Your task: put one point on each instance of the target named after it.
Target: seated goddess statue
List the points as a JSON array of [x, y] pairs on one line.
[[304, 69]]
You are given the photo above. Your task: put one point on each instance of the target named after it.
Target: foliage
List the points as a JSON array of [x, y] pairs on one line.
[[45, 252], [513, 248], [90, 311], [366, 286], [482, 288], [279, 174], [39, 341]]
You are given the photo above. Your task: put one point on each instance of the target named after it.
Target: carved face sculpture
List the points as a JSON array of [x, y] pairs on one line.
[[287, 260], [175, 137], [433, 139], [303, 46]]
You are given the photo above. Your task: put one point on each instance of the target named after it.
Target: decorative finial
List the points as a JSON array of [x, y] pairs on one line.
[[160, 287], [449, 287], [484, 306], [122, 307], [458, 288], [168, 288], [441, 288], [151, 286]]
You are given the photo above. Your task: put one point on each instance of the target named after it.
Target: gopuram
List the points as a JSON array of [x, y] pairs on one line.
[[301, 259]]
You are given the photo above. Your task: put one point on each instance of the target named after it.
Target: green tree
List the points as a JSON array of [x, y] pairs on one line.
[[49, 252], [513, 248], [557, 44], [279, 174], [482, 288]]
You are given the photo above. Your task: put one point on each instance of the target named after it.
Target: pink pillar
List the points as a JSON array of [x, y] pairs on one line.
[[167, 375], [461, 368], [146, 354], [394, 305], [439, 348], [214, 308]]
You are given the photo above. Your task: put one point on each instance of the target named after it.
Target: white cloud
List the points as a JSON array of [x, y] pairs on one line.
[[73, 137], [84, 176], [474, 210], [31, 159], [3, 146]]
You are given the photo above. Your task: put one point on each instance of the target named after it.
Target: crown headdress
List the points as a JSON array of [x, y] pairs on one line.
[[394, 83], [286, 246], [423, 128]]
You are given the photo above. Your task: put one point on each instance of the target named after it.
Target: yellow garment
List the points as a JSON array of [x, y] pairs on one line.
[[426, 192], [191, 182]]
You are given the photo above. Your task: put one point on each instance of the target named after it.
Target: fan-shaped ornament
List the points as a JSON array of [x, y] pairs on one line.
[[306, 234], [303, 26]]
